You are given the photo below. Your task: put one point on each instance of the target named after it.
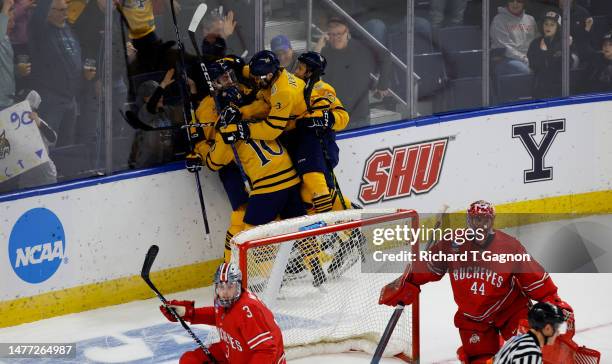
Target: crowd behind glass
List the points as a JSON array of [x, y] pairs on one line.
[[58, 49]]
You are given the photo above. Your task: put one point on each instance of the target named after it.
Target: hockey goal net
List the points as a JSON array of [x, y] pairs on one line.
[[334, 307]]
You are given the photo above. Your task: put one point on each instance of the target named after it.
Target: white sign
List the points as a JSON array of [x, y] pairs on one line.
[[21, 146]]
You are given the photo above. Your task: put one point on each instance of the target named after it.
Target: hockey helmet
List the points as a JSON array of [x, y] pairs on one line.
[[315, 61], [263, 63], [228, 277], [545, 313], [221, 74], [481, 214]]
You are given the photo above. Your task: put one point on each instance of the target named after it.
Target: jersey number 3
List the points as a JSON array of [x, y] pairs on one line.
[[264, 151]]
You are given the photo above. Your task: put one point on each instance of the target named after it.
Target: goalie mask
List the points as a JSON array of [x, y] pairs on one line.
[[481, 215], [228, 282]]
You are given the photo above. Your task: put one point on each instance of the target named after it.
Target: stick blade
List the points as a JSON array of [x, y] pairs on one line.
[[197, 17], [148, 262]]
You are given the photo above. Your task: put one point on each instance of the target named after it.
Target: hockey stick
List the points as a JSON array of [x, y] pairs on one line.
[[384, 340], [144, 273], [187, 111], [193, 26], [386, 336]]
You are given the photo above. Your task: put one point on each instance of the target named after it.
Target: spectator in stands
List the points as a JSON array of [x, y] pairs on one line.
[[57, 70], [224, 25], [446, 12], [154, 147], [349, 65], [545, 58], [513, 30], [600, 71], [19, 40], [581, 28], [19, 34], [7, 68], [281, 46], [213, 47]]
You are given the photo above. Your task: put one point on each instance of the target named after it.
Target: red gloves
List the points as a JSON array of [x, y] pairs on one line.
[[400, 290], [188, 305], [568, 311]]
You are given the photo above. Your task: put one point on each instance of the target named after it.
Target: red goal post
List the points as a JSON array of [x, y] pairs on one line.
[[343, 313]]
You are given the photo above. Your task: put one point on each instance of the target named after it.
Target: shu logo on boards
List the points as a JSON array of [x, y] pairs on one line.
[[391, 174], [537, 151], [37, 245]]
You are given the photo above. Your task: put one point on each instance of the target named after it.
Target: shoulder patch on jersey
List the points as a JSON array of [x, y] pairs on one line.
[[273, 90]]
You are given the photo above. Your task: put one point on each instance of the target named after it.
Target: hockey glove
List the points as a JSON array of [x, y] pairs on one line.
[[196, 134], [230, 115], [193, 162], [399, 291], [232, 133], [568, 311], [184, 309], [230, 97], [325, 121]]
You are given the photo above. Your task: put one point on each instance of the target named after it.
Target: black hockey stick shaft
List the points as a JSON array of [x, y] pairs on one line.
[[211, 90], [187, 111], [144, 273], [386, 336]]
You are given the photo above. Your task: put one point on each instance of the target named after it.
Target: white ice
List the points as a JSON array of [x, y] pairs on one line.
[[137, 333], [588, 293]]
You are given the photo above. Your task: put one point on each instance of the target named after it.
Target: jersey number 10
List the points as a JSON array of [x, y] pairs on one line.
[[264, 151]]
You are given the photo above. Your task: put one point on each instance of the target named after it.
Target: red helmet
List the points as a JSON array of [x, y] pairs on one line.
[[481, 208], [480, 215]]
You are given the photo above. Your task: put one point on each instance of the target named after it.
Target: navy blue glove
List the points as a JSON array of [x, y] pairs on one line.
[[325, 121], [193, 162], [230, 115]]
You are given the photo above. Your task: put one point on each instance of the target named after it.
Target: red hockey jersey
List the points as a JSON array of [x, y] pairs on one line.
[[247, 329], [486, 289]]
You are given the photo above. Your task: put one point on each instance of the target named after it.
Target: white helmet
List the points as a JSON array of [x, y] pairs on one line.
[[228, 274]]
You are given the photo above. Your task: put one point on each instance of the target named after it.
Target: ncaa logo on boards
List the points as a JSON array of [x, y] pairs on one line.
[[37, 245], [398, 173]]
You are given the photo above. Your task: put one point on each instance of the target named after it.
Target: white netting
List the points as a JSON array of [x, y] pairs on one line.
[[315, 286]]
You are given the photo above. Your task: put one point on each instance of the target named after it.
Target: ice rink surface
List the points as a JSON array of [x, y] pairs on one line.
[[137, 333]]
